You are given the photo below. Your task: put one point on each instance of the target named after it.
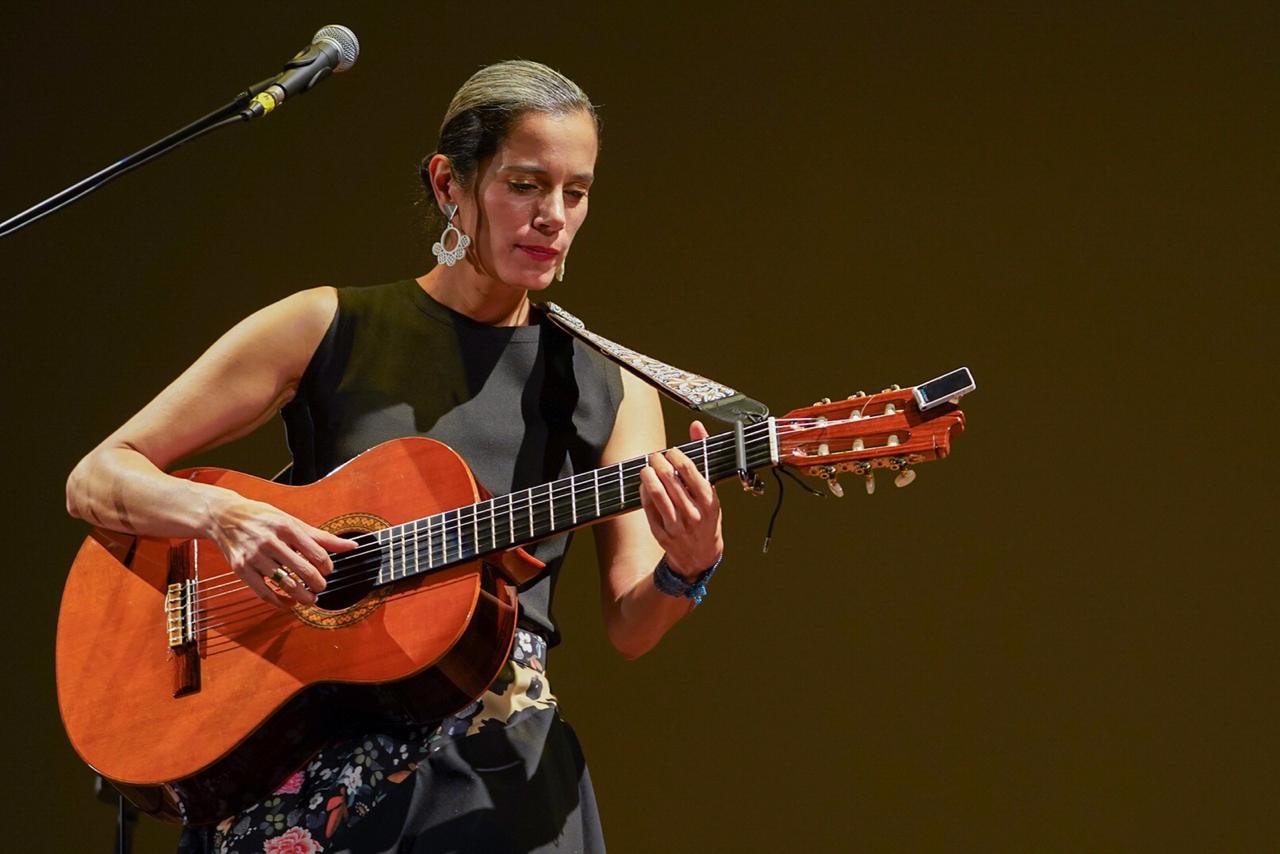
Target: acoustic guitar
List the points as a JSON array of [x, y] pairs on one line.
[[195, 698]]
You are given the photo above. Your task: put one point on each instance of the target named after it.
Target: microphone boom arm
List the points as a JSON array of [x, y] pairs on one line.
[[334, 48], [236, 111]]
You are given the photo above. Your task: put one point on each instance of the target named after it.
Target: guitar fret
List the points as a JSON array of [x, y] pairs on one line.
[[402, 542], [622, 488], [706, 469], [391, 549], [595, 485], [493, 528], [475, 531], [390, 556], [431, 549], [529, 492], [415, 547]]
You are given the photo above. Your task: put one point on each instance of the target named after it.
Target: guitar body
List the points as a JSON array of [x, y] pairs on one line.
[[197, 732]]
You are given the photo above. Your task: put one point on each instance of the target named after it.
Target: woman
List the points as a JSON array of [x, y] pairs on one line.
[[458, 354]]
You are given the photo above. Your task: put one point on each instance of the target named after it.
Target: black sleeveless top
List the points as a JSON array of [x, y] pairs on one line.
[[523, 405]]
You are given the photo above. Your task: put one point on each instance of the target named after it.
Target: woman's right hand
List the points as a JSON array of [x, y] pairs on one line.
[[257, 539]]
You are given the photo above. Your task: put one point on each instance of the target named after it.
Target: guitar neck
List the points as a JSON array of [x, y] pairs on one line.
[[528, 515]]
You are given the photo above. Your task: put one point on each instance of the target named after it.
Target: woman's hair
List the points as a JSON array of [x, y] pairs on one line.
[[487, 106]]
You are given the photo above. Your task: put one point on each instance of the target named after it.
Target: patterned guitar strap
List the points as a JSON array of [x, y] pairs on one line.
[[698, 393]]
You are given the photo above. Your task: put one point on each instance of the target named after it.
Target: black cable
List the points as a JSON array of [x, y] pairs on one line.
[[777, 508]]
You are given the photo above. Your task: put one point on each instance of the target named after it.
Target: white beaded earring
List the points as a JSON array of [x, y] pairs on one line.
[[459, 250]]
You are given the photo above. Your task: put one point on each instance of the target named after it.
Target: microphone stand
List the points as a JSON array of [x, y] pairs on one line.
[[126, 813], [236, 111]]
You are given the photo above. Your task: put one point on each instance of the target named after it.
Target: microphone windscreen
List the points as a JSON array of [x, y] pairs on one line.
[[344, 40]]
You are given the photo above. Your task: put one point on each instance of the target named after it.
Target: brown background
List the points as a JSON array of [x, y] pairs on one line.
[[1062, 638]]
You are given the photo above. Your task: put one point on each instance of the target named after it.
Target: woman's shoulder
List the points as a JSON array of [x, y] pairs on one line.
[[359, 297]]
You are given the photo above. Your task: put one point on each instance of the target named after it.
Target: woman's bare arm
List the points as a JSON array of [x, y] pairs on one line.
[[681, 518], [234, 387]]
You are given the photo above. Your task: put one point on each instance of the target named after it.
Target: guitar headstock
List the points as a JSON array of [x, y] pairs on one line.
[[894, 429]]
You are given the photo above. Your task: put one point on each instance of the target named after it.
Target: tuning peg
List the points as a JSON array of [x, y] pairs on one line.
[[828, 474], [822, 402], [905, 477], [871, 484]]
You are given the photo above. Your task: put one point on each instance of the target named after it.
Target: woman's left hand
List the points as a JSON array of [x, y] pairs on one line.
[[682, 508]]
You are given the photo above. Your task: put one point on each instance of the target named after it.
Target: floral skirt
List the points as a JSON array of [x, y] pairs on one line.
[[504, 774]]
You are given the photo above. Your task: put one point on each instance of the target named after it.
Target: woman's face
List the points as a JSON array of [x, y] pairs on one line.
[[532, 196]]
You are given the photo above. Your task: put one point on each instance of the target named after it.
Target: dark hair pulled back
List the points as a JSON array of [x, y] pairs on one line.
[[487, 106]]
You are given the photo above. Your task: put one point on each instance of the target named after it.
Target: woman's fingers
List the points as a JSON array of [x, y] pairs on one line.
[[657, 503], [254, 577], [331, 542], [304, 581], [691, 482]]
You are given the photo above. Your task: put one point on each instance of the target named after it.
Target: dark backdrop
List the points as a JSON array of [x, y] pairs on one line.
[[1056, 640]]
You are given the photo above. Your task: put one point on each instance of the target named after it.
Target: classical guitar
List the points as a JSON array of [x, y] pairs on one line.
[[195, 698]]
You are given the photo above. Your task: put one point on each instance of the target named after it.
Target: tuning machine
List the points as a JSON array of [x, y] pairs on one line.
[[828, 474], [906, 474]]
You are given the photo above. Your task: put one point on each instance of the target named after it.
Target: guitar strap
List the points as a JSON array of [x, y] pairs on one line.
[[702, 395]]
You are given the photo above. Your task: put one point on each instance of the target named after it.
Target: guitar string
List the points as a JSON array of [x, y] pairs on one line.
[[459, 533], [256, 605], [224, 642], [204, 585], [466, 543], [570, 489], [378, 544]]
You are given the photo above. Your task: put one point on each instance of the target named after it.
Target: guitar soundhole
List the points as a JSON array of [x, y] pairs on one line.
[[343, 593], [352, 577]]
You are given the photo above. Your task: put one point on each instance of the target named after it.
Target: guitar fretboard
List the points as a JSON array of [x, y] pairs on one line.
[[525, 516]]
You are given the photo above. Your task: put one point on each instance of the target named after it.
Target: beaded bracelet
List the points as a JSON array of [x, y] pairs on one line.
[[667, 581]]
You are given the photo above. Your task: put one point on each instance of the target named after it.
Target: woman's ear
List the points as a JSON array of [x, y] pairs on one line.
[[443, 186]]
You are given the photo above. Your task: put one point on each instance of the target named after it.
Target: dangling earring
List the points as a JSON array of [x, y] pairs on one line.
[[560, 271], [459, 250]]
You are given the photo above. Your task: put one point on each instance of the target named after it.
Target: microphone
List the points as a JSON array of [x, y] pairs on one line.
[[333, 49]]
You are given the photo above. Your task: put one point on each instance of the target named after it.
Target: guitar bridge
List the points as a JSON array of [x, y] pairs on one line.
[[178, 614], [180, 618]]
